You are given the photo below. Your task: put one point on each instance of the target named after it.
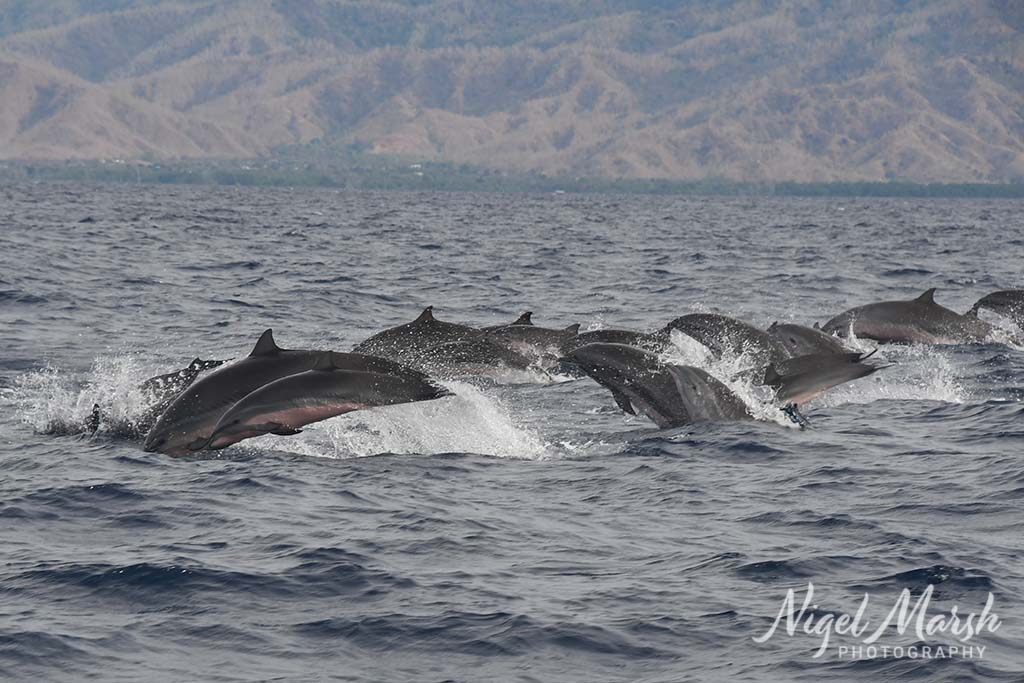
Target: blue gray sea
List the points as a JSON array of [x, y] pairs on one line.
[[520, 530]]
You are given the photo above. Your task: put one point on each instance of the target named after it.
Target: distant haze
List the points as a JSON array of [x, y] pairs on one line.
[[927, 91]]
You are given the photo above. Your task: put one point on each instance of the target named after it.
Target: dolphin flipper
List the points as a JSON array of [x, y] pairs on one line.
[[622, 401]]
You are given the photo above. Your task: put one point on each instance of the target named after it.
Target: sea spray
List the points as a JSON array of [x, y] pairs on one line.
[[471, 421]]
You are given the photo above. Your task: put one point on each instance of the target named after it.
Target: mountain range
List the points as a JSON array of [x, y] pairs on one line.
[[753, 90]]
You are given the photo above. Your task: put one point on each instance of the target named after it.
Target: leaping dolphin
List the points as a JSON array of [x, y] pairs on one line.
[[798, 380], [724, 335], [802, 341], [532, 340], [286, 405], [919, 320], [405, 342], [670, 395], [192, 416], [479, 357], [1008, 303]]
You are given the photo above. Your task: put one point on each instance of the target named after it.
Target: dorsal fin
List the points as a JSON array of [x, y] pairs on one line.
[[573, 329], [426, 316], [773, 325], [927, 298], [325, 361], [771, 377], [196, 363], [265, 346], [524, 319], [816, 326]]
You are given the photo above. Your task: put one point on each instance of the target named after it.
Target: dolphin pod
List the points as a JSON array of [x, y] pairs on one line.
[[212, 405]]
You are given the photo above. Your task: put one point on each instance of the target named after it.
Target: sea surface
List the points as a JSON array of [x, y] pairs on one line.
[[522, 530]]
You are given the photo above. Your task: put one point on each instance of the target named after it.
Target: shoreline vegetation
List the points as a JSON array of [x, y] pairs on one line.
[[384, 173]]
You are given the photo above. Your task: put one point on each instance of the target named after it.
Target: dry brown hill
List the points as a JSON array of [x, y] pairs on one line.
[[926, 90]]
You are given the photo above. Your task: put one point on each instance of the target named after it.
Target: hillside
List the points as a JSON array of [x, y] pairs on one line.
[[928, 90]]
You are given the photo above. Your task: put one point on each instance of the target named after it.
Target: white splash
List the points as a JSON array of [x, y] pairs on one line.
[[917, 372], [738, 372], [49, 400], [468, 422]]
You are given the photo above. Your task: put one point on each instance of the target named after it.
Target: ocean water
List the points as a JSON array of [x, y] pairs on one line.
[[522, 530]]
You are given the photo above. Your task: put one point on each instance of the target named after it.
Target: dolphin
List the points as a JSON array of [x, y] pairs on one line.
[[670, 395], [919, 320], [801, 341], [1008, 303], [798, 380], [470, 357], [193, 414], [285, 405], [724, 335], [405, 342]]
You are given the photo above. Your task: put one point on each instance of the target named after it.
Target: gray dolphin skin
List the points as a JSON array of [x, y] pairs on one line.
[[470, 357], [406, 342], [532, 340], [191, 417], [799, 340], [642, 340], [670, 395], [1008, 303], [919, 320], [798, 380], [728, 336], [287, 404]]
